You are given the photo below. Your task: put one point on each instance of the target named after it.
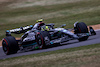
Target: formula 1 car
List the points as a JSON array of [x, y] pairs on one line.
[[35, 39]]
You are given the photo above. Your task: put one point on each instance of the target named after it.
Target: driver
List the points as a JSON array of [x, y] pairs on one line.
[[38, 24], [45, 28]]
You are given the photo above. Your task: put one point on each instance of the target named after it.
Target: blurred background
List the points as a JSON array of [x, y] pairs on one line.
[[18, 13]]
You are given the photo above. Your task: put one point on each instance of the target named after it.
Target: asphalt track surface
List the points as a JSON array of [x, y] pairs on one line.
[[70, 44]]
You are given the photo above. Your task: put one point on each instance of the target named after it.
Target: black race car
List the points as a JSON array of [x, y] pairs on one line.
[[37, 39]]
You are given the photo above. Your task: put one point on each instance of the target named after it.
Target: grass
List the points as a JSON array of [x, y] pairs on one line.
[[85, 56], [56, 11], [14, 14]]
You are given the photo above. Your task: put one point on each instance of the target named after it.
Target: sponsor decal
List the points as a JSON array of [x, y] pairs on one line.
[[57, 41]]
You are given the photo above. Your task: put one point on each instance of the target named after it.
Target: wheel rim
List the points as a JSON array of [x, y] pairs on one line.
[[39, 40]]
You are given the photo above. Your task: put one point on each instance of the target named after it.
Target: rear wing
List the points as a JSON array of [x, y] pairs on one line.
[[19, 30]]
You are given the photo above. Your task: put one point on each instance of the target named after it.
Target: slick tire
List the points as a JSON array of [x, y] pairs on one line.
[[82, 28], [40, 38], [9, 45]]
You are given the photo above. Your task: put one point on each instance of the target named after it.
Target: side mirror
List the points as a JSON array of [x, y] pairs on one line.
[[63, 25], [51, 24]]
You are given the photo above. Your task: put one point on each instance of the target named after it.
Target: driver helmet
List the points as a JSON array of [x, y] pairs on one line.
[[40, 20], [45, 28]]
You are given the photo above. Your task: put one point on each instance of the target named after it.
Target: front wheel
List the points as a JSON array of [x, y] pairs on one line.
[[9, 45], [43, 38], [39, 40]]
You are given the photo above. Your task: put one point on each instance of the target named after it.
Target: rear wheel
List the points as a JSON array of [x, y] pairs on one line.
[[9, 45], [81, 28]]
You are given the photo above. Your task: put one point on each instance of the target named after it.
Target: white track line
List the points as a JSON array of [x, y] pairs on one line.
[[95, 30]]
